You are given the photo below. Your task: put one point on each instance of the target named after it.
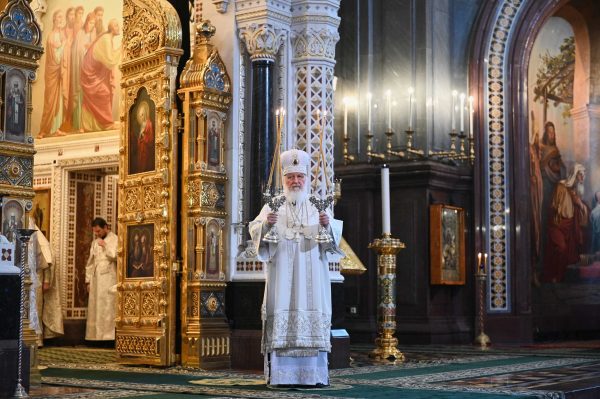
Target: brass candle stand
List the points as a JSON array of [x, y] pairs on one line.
[[386, 344], [482, 339], [370, 153], [348, 158], [389, 152], [462, 154]]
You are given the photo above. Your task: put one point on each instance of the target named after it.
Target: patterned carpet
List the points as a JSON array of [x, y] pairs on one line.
[[437, 372]]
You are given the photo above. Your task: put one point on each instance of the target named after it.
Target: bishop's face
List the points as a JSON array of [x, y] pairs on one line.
[[294, 190], [295, 181]]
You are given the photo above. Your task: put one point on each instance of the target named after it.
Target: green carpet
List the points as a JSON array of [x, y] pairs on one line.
[[488, 376]]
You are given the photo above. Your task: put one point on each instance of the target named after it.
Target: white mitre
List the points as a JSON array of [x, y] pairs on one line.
[[295, 161]]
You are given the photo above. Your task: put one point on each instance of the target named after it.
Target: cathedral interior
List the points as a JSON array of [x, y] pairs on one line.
[[453, 138]]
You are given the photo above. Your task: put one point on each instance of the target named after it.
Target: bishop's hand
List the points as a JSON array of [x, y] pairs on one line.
[[324, 219], [272, 218]]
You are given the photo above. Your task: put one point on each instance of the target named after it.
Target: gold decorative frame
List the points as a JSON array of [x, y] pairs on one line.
[[447, 244]]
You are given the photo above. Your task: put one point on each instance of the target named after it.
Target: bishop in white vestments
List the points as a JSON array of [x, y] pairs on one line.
[[296, 311], [100, 278]]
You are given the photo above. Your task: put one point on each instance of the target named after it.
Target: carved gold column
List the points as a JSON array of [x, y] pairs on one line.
[[205, 89], [148, 185], [386, 344]]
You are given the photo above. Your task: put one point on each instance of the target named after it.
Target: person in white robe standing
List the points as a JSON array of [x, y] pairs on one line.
[[46, 311], [100, 278], [296, 311]]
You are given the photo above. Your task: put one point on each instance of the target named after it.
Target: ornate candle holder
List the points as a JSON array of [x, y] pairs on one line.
[[482, 339], [322, 204], [409, 144], [347, 157], [24, 235], [462, 154], [370, 153], [274, 202], [386, 344]]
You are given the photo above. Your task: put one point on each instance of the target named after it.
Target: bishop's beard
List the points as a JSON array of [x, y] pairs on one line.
[[295, 196]]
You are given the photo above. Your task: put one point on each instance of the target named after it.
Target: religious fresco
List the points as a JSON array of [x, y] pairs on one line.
[[142, 117], [140, 254], [79, 75], [564, 182]]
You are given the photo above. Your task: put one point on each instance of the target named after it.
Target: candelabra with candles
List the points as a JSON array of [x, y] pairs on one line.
[[387, 248], [466, 150], [24, 235], [409, 151], [275, 199], [480, 274]]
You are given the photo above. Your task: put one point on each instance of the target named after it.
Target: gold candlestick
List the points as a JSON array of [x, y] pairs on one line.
[[482, 339], [370, 153], [386, 344], [409, 144], [390, 135], [348, 158]]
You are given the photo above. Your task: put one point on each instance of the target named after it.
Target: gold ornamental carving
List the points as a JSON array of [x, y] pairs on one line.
[[137, 345], [154, 26], [210, 195]]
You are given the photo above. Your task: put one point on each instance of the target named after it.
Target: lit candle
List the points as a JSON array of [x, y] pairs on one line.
[[389, 108], [345, 117], [485, 256], [369, 98], [471, 115], [410, 107], [462, 112], [385, 199], [454, 94]]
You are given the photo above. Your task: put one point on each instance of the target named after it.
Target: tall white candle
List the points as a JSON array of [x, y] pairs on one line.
[[389, 108], [369, 98], [345, 117], [452, 109], [471, 100], [462, 112], [385, 199], [410, 107]]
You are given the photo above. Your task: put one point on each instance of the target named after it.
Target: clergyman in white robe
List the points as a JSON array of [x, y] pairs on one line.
[[296, 311], [45, 309], [101, 275]]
